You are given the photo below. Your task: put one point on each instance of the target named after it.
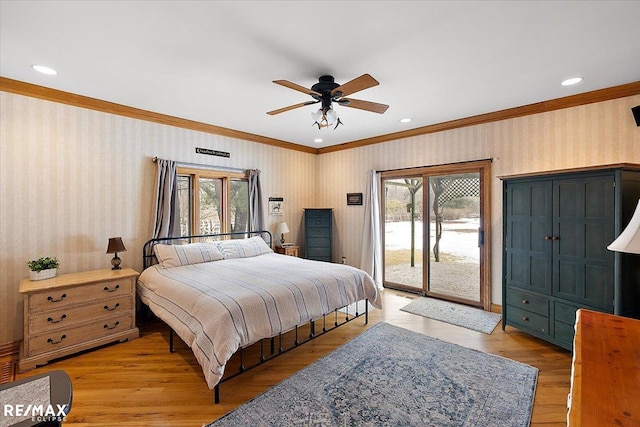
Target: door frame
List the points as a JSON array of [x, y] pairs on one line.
[[483, 168]]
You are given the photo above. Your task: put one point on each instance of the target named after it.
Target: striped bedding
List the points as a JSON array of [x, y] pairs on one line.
[[217, 307]]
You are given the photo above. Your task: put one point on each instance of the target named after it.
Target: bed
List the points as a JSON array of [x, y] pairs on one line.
[[225, 294]]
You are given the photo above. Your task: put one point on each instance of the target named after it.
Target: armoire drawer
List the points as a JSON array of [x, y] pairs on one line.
[[528, 320], [529, 302]]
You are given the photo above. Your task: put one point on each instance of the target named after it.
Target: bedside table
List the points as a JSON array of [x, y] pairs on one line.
[[287, 250], [75, 312]]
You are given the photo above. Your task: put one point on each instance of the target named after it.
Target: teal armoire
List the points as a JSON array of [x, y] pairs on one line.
[[556, 229]]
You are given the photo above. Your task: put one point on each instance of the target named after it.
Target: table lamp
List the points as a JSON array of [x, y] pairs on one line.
[[115, 245], [282, 229]]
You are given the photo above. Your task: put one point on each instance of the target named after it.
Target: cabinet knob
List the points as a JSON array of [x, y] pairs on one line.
[[555, 238], [547, 237], [526, 319], [525, 301]]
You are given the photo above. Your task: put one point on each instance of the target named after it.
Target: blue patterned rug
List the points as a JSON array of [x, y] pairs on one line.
[[390, 376], [456, 314]]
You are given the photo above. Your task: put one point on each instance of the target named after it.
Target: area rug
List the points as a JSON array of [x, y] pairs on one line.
[[390, 376], [456, 314]]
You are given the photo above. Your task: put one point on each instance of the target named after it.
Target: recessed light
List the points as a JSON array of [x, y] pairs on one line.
[[44, 70], [571, 81], [407, 120], [317, 140]]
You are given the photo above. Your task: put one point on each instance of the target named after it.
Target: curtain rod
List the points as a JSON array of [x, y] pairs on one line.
[[201, 166]]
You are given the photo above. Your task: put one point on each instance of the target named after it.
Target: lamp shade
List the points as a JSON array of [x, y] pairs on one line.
[[629, 240], [115, 245], [282, 228]]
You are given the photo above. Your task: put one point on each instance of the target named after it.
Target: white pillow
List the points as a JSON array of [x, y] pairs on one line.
[[243, 248], [192, 253]]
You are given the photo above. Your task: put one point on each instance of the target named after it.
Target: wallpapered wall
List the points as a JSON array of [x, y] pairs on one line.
[[588, 135], [70, 178]]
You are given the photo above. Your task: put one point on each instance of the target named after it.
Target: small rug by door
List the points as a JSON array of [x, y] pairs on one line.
[[456, 314], [390, 376]]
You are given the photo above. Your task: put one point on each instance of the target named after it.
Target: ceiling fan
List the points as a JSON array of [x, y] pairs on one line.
[[327, 91]]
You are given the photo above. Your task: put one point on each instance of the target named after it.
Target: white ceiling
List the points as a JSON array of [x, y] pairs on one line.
[[214, 61]]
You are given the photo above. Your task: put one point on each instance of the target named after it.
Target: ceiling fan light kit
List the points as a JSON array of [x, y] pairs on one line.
[[327, 91]]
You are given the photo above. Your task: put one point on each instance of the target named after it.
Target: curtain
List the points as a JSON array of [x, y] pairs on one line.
[[371, 260], [256, 211], [166, 222]]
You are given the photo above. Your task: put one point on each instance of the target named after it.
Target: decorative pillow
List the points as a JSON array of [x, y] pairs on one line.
[[243, 248], [192, 253]]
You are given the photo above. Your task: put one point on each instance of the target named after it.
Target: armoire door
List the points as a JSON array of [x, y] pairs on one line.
[[583, 227], [528, 234]]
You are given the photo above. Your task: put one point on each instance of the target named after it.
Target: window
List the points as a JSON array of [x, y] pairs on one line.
[[212, 201]]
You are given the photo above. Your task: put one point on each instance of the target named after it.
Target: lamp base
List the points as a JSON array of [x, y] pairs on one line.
[[115, 262]]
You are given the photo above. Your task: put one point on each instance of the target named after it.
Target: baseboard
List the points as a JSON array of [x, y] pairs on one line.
[[496, 308], [9, 361]]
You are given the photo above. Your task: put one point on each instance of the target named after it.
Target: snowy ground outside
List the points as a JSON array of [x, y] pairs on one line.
[[458, 271]]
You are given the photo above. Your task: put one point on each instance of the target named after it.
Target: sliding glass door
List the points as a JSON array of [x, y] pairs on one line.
[[403, 243], [435, 229], [454, 225]]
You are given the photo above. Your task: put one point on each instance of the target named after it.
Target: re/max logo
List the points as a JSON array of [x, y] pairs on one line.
[[59, 411]]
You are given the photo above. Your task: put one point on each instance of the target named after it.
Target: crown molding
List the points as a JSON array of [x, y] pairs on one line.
[[599, 95], [42, 92], [54, 95]]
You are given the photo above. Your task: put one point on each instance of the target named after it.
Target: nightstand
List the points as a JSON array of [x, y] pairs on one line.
[[287, 250], [75, 312]]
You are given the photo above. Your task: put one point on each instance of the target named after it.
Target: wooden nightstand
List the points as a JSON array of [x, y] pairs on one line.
[[287, 250], [75, 312]]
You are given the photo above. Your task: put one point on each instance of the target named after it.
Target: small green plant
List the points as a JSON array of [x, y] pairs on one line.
[[44, 263]]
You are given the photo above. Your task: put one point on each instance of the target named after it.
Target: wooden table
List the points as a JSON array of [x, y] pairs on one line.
[[290, 250], [605, 378]]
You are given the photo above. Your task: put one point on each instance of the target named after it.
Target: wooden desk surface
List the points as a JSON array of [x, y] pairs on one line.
[[605, 383]]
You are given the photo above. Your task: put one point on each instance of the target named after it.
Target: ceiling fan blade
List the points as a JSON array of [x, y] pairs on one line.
[[290, 107], [297, 87], [363, 82], [365, 105]]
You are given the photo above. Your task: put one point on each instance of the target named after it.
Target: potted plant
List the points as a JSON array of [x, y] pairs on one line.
[[43, 268]]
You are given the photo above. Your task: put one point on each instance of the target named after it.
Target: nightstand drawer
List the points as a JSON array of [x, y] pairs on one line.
[[70, 316], [52, 299], [66, 337]]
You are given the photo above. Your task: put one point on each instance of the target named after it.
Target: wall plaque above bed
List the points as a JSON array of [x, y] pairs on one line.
[[210, 152]]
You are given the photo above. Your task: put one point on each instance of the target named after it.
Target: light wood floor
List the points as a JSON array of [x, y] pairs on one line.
[[139, 383]]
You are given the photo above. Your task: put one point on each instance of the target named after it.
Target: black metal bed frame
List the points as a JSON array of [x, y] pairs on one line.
[[149, 258]]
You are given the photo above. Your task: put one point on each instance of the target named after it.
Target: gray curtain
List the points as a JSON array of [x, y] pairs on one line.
[[256, 210], [371, 260], [166, 222]]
